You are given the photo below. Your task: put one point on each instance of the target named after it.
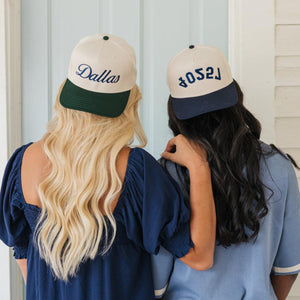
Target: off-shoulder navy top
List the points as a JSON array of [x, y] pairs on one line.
[[150, 212]]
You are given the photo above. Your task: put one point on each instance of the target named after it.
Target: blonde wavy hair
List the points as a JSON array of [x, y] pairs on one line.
[[82, 149]]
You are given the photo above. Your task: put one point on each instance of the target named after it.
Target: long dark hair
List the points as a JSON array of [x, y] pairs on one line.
[[231, 139]]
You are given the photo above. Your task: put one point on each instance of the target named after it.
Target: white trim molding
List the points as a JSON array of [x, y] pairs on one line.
[[252, 57], [13, 58], [4, 251], [11, 282]]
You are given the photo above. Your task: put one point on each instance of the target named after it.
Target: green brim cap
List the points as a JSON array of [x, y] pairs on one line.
[[104, 104]]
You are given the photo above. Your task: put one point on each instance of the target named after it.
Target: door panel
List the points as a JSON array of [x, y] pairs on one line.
[[156, 29]]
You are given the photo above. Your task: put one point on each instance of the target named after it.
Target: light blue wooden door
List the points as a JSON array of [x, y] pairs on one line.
[[157, 30]]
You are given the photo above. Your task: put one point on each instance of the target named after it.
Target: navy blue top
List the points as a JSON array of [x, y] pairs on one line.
[[150, 212]]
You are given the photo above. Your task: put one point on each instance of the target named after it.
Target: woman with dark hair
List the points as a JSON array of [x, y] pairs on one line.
[[255, 188]]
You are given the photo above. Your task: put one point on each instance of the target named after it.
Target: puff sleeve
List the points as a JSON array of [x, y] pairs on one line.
[[154, 212], [14, 229]]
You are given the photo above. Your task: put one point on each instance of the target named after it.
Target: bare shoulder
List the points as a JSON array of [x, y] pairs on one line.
[[122, 161], [33, 171]]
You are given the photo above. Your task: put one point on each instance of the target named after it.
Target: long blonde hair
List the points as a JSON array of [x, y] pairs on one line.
[[82, 149]]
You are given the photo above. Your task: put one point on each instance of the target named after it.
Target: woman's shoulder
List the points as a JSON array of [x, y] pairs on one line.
[[141, 153], [276, 166], [25, 170], [34, 158], [140, 159], [17, 155], [13, 166], [143, 168], [34, 170]]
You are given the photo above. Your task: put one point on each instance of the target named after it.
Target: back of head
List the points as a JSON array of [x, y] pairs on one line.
[[212, 114], [93, 121]]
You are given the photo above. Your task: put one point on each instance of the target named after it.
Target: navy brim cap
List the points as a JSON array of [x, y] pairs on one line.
[[103, 104], [186, 108]]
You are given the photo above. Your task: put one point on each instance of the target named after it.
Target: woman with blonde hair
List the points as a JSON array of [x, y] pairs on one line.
[[82, 209]]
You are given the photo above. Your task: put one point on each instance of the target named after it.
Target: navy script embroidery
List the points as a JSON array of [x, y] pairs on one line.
[[86, 72]]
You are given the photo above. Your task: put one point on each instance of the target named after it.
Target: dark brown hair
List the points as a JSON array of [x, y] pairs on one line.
[[231, 139]]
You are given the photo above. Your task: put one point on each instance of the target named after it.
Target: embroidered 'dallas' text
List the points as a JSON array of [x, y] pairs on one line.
[[86, 72]]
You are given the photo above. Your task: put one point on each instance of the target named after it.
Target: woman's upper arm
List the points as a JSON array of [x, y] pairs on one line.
[[23, 267]]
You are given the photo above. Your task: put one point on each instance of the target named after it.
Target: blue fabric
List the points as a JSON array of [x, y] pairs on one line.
[[243, 271], [150, 212]]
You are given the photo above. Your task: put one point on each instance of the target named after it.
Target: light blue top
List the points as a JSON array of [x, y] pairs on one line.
[[243, 271]]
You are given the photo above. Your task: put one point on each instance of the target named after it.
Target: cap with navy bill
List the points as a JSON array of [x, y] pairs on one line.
[[200, 81]]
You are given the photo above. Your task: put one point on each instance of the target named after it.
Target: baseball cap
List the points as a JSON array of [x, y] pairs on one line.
[[102, 71], [200, 81]]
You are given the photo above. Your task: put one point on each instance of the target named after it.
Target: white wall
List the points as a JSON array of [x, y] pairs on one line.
[[157, 30], [251, 45], [265, 56]]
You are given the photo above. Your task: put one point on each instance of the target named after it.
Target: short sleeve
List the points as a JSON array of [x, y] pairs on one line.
[[14, 229], [287, 259], [155, 213], [162, 267]]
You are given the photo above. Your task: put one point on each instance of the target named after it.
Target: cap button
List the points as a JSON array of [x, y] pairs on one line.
[[191, 46], [105, 38]]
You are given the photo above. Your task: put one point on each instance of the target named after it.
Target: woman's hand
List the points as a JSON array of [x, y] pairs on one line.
[[187, 154]]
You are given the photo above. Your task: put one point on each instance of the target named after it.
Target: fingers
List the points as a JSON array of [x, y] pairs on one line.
[[174, 141], [169, 151], [187, 152], [171, 143], [167, 155]]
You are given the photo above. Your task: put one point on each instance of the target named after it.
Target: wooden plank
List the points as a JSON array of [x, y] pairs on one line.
[[287, 76], [215, 20], [159, 28], [287, 12], [287, 132], [288, 61], [287, 101], [67, 27], [126, 25], [287, 39], [287, 70], [34, 69]]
